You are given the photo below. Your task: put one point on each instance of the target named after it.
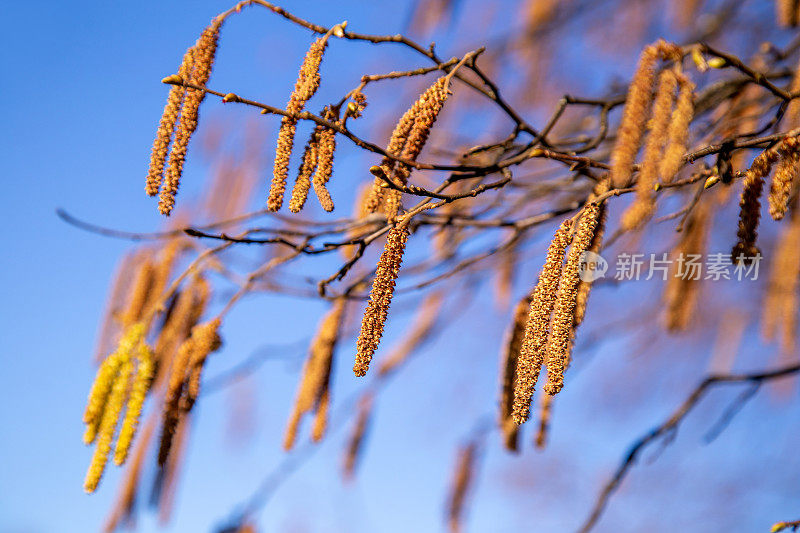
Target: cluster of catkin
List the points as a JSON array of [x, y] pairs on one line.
[[179, 120], [121, 384], [407, 141], [183, 385], [669, 110], [380, 297], [313, 393], [317, 167], [307, 83], [556, 308], [787, 156]]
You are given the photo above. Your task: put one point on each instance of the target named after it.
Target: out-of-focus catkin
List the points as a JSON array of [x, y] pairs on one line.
[[779, 315], [107, 399], [204, 52], [313, 390], [636, 112], [508, 369], [678, 132], [545, 414], [380, 297], [786, 11], [532, 351], [462, 478], [681, 290], [561, 336], [355, 443], [644, 205], [307, 83]]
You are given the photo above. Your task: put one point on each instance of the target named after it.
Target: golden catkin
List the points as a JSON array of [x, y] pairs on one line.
[[313, 389], [307, 83], [432, 102], [644, 205], [785, 177], [356, 441], [118, 294], [321, 416], [779, 314], [465, 466], [166, 127], [206, 340], [678, 132], [792, 115], [204, 52], [133, 409], [380, 297], [327, 146], [303, 182], [141, 291], [508, 367], [634, 118], [585, 286], [680, 292], [407, 140], [98, 396], [545, 412], [786, 11], [560, 342], [532, 351], [108, 426], [750, 206]]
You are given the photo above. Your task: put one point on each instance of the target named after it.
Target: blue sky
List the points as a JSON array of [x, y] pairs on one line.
[[81, 101]]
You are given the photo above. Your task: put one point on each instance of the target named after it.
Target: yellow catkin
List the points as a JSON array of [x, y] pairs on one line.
[[204, 52], [750, 206], [327, 146], [785, 177], [356, 441], [644, 205], [634, 118], [786, 11], [314, 384], [432, 102], [508, 367], [680, 292], [98, 396], [678, 132], [545, 413], [108, 426], [303, 182], [380, 297], [779, 314], [532, 351], [166, 127], [321, 417], [133, 410], [465, 466], [206, 340], [307, 83], [118, 293], [407, 140], [562, 328]]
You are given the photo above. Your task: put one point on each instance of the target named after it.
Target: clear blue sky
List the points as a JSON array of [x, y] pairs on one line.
[[81, 99]]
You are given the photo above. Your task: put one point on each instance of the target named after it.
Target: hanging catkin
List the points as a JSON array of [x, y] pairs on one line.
[[785, 177], [355, 443], [303, 182], [750, 206], [307, 83], [380, 297], [532, 351], [644, 205], [508, 366], [557, 353], [678, 131], [462, 478], [204, 52]]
